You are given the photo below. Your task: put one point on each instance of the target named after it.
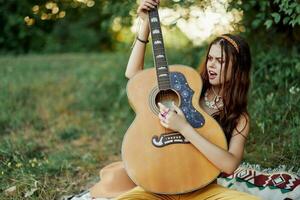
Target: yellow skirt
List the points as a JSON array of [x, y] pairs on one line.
[[211, 192]]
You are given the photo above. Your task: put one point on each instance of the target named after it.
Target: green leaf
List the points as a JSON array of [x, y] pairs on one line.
[[293, 22], [286, 20], [276, 1], [298, 20], [298, 9], [255, 23], [268, 23], [276, 17], [293, 5], [289, 11]]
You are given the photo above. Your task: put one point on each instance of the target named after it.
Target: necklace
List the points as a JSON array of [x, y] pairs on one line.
[[213, 104]]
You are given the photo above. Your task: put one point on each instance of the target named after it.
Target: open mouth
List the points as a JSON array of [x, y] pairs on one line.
[[212, 74]]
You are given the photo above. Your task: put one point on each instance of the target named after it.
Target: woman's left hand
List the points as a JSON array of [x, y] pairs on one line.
[[173, 118]]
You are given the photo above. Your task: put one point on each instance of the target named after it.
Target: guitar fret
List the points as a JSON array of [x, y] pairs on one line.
[[156, 31], [154, 19], [166, 83], [163, 84], [160, 50], [164, 79], [164, 87], [162, 68], [157, 37], [158, 44], [162, 72], [160, 53], [160, 56], [160, 60], [161, 63], [157, 40], [163, 75]]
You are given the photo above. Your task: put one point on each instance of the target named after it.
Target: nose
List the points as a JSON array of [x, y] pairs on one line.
[[211, 64]]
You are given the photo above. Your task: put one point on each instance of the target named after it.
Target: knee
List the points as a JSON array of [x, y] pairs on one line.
[[136, 194]]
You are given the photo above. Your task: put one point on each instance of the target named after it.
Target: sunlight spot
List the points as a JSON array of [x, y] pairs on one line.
[[35, 9], [198, 24], [62, 14], [90, 3], [116, 26], [29, 21]]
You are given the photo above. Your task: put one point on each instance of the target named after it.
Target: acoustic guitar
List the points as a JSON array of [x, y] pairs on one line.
[[159, 159]]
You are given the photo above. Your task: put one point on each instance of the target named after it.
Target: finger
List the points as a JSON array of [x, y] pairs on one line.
[[141, 9], [154, 3], [170, 114], [149, 5], [162, 107], [145, 7], [177, 109], [161, 117], [164, 124], [164, 119]]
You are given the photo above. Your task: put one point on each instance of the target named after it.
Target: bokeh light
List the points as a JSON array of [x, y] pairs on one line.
[[29, 21], [197, 24]]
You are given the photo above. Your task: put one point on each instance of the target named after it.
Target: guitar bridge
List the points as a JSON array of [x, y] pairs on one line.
[[169, 138]]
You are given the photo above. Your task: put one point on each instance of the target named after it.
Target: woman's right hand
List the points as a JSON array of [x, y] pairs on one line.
[[145, 6]]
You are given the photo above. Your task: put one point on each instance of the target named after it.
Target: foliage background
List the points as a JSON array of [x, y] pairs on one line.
[[63, 103]]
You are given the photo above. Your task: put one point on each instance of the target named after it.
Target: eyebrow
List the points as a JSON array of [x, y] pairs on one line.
[[215, 57]]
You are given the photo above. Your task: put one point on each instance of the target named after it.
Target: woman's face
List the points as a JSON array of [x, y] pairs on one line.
[[213, 66]]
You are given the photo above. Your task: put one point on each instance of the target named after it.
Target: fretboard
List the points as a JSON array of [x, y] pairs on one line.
[[159, 55]]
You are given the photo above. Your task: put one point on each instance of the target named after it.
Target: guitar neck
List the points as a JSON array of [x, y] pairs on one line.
[[158, 48]]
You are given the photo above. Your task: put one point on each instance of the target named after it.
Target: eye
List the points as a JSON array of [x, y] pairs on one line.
[[220, 61], [209, 58]]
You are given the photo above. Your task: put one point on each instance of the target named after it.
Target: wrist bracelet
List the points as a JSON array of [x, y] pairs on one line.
[[143, 41]]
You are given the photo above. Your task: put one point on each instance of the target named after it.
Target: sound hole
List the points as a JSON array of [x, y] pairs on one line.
[[166, 97]]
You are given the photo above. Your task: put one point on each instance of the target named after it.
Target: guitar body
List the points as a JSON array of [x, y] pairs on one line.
[[159, 159]]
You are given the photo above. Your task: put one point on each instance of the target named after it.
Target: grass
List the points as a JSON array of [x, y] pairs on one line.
[[62, 118]]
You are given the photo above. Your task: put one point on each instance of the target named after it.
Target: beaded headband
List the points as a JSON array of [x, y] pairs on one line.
[[231, 41]]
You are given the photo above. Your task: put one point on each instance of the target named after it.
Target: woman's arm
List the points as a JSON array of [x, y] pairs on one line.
[[136, 59], [226, 161]]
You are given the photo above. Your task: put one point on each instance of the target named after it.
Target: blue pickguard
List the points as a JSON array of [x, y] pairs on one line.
[[179, 83]]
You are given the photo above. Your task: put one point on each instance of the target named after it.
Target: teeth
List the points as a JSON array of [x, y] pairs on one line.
[[212, 73]]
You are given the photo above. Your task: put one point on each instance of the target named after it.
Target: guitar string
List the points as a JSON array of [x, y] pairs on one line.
[[164, 95]]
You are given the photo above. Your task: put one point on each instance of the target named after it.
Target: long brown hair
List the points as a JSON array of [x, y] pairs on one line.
[[235, 91]]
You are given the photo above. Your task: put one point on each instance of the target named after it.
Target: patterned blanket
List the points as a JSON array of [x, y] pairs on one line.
[[269, 184]]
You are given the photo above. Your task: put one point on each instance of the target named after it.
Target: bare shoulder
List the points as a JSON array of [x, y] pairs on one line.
[[243, 125]]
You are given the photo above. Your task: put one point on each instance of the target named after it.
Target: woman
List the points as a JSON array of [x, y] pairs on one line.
[[224, 96]]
